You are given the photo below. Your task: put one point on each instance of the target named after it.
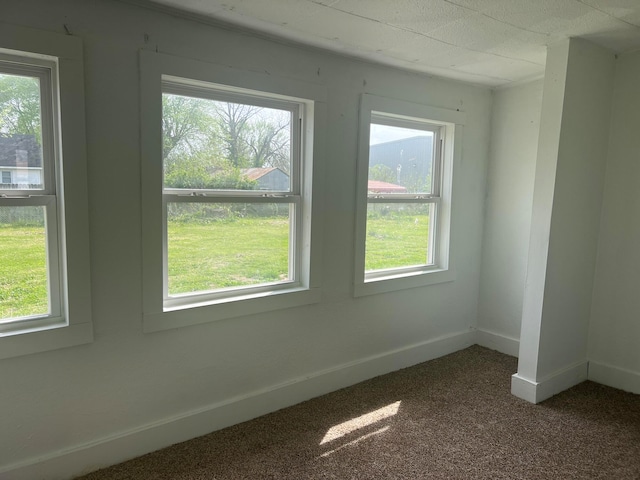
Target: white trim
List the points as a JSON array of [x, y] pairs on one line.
[[496, 341], [153, 436], [616, 377], [157, 315], [72, 324], [563, 379], [450, 123], [46, 340]]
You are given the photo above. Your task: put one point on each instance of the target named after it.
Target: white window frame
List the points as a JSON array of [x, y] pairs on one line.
[[446, 126], [57, 61], [160, 74], [3, 175]]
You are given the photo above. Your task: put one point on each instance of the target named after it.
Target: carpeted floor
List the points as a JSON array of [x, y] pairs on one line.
[[451, 418]]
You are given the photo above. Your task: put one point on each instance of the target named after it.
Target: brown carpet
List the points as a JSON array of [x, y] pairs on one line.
[[455, 419]]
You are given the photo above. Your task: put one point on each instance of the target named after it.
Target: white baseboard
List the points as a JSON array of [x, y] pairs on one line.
[[498, 342], [615, 377], [536, 392], [69, 462]]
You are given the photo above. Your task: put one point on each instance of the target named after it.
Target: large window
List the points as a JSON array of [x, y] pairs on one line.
[[44, 271], [29, 253], [405, 180], [231, 192], [227, 182]]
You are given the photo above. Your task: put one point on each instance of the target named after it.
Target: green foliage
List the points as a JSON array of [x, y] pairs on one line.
[[20, 106], [196, 174], [207, 142], [382, 173]]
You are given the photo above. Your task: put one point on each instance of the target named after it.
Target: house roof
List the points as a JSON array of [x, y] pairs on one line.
[[257, 172], [12, 148], [377, 186]]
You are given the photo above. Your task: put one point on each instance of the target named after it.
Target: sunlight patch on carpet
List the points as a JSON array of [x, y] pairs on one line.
[[362, 421], [357, 440]]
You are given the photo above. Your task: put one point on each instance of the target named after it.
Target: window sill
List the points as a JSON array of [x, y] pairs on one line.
[[30, 341], [402, 281], [229, 308]]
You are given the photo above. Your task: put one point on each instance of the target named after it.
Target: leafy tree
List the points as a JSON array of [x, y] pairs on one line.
[[382, 173], [187, 127], [206, 143], [20, 106]]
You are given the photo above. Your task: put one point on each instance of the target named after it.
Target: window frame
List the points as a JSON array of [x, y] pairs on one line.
[[64, 193], [292, 197], [447, 128], [217, 81], [45, 70]]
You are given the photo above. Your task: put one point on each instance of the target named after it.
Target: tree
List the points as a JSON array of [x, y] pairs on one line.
[[20, 106], [382, 173], [187, 128], [208, 142], [234, 124]]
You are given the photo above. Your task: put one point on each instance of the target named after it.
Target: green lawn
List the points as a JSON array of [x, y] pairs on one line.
[[397, 240], [23, 271], [227, 253], [205, 256]]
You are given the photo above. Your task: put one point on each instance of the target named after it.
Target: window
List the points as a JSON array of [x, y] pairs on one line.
[[44, 276], [226, 193], [231, 192], [405, 179]]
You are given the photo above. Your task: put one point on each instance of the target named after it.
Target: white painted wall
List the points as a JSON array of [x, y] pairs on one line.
[[58, 402], [515, 124], [614, 340]]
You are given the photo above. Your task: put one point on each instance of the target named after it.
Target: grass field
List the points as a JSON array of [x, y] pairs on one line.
[[23, 271], [219, 254]]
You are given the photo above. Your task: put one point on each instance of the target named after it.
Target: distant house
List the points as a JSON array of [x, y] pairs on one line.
[[376, 186], [409, 158], [271, 178], [20, 161]]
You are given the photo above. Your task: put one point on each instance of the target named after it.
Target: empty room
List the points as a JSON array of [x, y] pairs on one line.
[[319, 239]]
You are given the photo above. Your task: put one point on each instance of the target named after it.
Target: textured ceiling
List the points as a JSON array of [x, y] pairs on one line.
[[488, 42]]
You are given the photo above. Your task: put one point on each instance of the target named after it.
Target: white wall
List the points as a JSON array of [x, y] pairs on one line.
[[57, 403], [515, 123], [614, 342]]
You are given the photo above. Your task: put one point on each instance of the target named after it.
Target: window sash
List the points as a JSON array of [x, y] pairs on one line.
[[293, 197], [54, 272], [46, 71], [221, 93], [294, 254], [434, 197]]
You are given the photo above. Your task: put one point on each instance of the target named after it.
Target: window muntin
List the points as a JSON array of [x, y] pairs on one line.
[[403, 193], [232, 176], [29, 205]]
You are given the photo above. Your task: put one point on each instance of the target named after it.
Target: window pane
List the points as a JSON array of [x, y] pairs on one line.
[[397, 235], [220, 245], [20, 133], [400, 160], [209, 144], [23, 262]]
